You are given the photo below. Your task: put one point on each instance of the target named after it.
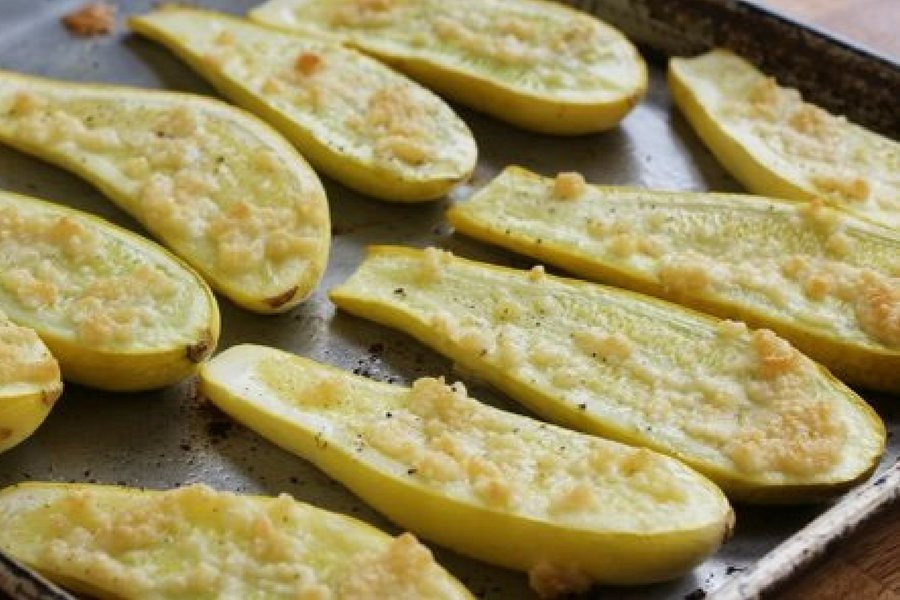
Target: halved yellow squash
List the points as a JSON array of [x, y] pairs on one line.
[[29, 382], [539, 65], [199, 544], [215, 184], [823, 279], [353, 118], [743, 407], [498, 486], [778, 145], [116, 310]]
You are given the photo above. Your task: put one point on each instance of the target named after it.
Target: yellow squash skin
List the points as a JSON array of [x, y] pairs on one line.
[[744, 408], [536, 64], [360, 122], [195, 543], [497, 486], [116, 310], [777, 145], [216, 185], [823, 279], [30, 383]]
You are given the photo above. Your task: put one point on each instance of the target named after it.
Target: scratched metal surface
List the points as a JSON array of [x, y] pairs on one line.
[[169, 438]]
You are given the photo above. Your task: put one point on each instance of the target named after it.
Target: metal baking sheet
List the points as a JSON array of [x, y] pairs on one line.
[[171, 437]]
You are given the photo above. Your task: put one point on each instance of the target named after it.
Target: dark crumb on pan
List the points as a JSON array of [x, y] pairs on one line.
[[219, 425], [697, 594], [185, 446], [731, 570], [193, 393], [376, 348], [219, 430], [93, 18]]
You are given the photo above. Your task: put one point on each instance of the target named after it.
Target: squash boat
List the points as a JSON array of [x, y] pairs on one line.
[[352, 117], [216, 185], [30, 383], [742, 407], [116, 310], [778, 145], [194, 542], [823, 279], [569, 508], [536, 64]]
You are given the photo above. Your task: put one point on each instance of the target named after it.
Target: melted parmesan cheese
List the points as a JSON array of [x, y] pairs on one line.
[[715, 394], [194, 542], [61, 272], [823, 154], [182, 167]]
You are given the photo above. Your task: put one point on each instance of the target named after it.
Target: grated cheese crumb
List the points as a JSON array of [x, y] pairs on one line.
[[877, 305], [599, 344], [553, 581], [732, 329], [434, 260], [855, 189], [537, 274], [569, 185], [26, 103], [775, 356]]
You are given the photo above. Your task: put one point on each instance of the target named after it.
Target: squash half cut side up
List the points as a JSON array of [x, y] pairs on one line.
[[504, 488], [540, 65], [778, 145], [743, 407], [117, 311], [353, 118], [195, 542], [213, 183]]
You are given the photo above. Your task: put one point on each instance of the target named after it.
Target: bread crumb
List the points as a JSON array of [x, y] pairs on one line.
[[93, 18]]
